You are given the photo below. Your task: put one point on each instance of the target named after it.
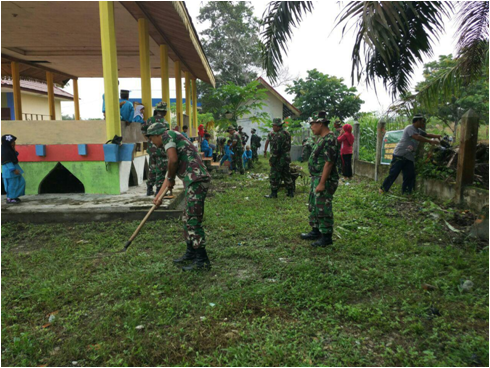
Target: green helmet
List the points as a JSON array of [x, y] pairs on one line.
[[161, 106], [155, 129], [277, 122]]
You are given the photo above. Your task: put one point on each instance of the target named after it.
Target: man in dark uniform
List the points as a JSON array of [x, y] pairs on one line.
[[157, 158], [280, 160], [237, 148], [255, 143], [324, 182], [185, 162], [242, 135]]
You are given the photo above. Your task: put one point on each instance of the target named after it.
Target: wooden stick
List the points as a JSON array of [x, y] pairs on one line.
[[128, 243]]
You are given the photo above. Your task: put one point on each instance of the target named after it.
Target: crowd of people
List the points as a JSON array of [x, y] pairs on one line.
[[173, 154]]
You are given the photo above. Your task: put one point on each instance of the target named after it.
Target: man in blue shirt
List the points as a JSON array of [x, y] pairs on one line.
[[126, 107]]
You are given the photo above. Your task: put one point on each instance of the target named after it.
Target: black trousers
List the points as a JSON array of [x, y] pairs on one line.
[[347, 165], [401, 164]]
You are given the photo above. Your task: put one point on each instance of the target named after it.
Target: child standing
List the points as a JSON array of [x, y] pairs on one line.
[[228, 154], [13, 181]]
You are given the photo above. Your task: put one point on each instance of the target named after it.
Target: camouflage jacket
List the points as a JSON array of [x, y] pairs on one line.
[[238, 149], [255, 141], [190, 169], [327, 149], [152, 149], [281, 148], [308, 148]]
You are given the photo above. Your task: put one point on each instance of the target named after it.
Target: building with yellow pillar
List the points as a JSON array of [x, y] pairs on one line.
[[113, 40]]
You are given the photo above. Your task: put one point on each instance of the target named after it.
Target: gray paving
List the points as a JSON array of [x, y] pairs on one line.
[[52, 208]]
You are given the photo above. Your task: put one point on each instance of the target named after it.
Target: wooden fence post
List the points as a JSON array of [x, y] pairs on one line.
[[379, 143], [357, 139], [465, 171]]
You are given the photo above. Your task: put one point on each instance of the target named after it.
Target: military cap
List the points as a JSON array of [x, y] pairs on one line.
[[161, 106], [277, 122], [321, 118], [240, 127], [155, 129], [231, 127], [253, 130]]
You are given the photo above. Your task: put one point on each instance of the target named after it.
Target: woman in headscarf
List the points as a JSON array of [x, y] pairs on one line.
[[13, 181], [139, 114], [346, 138]]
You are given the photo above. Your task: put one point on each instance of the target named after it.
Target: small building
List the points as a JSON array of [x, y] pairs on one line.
[[276, 106], [34, 96], [127, 39]]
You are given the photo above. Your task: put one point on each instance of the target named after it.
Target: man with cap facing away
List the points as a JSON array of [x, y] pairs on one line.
[[243, 135], [324, 182], [404, 155], [237, 148], [280, 159], [158, 161], [185, 162], [255, 143]]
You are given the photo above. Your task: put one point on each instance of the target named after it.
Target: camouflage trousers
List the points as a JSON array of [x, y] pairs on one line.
[[237, 162], [255, 154], [195, 196], [278, 173], [157, 167], [320, 207]]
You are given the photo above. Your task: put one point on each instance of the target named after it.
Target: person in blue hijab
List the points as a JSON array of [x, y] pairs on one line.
[[14, 183], [139, 114]]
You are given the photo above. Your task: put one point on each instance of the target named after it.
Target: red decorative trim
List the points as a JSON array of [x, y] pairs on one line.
[[60, 152]]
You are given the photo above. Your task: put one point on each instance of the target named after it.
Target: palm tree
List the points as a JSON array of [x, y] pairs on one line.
[[391, 38]]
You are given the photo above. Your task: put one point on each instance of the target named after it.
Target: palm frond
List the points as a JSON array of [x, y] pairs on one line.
[[473, 38], [391, 38], [277, 24]]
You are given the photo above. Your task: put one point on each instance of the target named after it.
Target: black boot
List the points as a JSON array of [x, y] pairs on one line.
[[189, 255], [201, 261], [272, 195], [290, 193], [325, 240], [149, 190], [312, 235]]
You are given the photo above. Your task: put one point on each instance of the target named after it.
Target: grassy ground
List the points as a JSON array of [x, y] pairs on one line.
[[270, 299]]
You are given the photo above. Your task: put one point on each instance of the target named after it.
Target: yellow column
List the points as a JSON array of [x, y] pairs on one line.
[[145, 72], [165, 79], [109, 65], [188, 96], [178, 91], [16, 84], [76, 99], [49, 81], [194, 105]]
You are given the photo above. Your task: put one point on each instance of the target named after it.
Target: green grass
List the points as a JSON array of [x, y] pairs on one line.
[[270, 299]]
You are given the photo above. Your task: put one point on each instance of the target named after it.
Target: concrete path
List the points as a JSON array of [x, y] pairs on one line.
[[132, 205]]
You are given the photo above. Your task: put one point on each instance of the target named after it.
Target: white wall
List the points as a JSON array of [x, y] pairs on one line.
[[273, 108]]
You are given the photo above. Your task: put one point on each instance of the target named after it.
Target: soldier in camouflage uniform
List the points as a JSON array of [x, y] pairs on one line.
[[185, 162], [255, 143], [158, 161], [308, 144], [243, 135], [280, 160], [237, 149], [324, 182]]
